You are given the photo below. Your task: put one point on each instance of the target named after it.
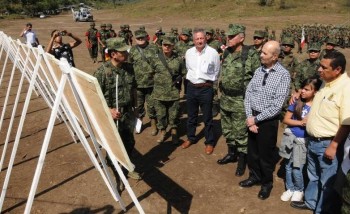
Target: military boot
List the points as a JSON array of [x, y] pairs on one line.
[[162, 136], [154, 130], [230, 157], [241, 165], [174, 136]]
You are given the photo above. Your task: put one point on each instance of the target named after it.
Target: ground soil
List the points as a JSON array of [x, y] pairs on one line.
[[174, 180]]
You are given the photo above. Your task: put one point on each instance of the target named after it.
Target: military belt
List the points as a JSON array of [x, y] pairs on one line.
[[232, 93]]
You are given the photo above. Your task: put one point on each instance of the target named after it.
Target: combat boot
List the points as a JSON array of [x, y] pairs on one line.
[[231, 156], [162, 136], [241, 165], [174, 136], [154, 130]]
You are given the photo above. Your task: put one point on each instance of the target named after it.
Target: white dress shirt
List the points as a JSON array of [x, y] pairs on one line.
[[30, 37], [202, 66]]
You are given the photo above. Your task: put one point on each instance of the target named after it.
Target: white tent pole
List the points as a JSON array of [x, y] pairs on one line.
[[5, 63], [45, 144], [13, 113], [19, 129]]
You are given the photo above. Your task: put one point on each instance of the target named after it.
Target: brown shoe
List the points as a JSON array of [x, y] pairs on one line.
[[209, 149], [186, 144]]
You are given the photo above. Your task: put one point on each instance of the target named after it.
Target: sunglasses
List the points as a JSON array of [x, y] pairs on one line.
[[259, 38]]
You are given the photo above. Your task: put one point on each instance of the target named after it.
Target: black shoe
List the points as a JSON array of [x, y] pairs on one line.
[[300, 205], [265, 191], [229, 158], [242, 162], [251, 181]]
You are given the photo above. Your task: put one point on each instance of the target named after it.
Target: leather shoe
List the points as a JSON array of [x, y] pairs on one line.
[[229, 158], [249, 182], [186, 144], [300, 205], [209, 149], [264, 192]]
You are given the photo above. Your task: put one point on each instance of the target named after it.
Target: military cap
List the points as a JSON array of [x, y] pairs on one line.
[[186, 31], [128, 26], [142, 27], [259, 33], [332, 41], [121, 26], [288, 41], [209, 30], [314, 47], [140, 34], [92, 24], [109, 25], [222, 31], [103, 25], [117, 44], [235, 29], [169, 40]]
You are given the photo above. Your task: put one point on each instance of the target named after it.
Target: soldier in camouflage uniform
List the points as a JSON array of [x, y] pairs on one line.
[[259, 40], [174, 33], [272, 36], [157, 37], [111, 32], [140, 56], [181, 47], [331, 43], [223, 37], [168, 68], [107, 77], [121, 32], [128, 34], [238, 65], [92, 41], [209, 34], [102, 36], [308, 68]]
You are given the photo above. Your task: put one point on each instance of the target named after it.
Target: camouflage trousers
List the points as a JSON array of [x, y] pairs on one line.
[[144, 96], [126, 126], [216, 99], [168, 113], [103, 54], [93, 51], [234, 129]]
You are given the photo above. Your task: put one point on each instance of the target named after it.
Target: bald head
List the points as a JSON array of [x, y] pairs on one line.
[[269, 53]]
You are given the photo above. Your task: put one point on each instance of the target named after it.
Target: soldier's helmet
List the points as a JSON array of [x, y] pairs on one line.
[[235, 29], [314, 47], [127, 26], [117, 44], [109, 25], [259, 34], [168, 40], [332, 40], [103, 25], [288, 41]]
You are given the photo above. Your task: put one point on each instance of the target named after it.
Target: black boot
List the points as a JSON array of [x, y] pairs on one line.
[[230, 157], [242, 163]]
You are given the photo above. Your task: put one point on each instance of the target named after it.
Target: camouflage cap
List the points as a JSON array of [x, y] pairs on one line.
[[109, 25], [117, 44], [92, 24], [332, 41], [186, 31], [288, 41], [103, 25], [314, 47], [235, 29], [209, 30], [142, 27], [168, 40], [259, 33], [140, 34], [121, 26]]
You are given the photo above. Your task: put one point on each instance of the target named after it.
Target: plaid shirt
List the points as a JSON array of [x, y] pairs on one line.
[[266, 92]]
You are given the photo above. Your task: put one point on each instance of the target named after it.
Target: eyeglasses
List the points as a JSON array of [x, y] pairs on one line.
[[140, 38], [265, 77], [259, 38]]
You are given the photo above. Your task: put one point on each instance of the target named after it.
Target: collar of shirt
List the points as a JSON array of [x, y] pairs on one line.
[[203, 51], [342, 76]]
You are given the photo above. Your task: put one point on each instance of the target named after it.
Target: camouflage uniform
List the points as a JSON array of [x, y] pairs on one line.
[[235, 76], [106, 76], [144, 75], [111, 32], [103, 36], [165, 92], [307, 68], [91, 35]]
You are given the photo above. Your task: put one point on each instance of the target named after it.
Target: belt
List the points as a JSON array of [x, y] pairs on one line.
[[207, 84], [320, 138]]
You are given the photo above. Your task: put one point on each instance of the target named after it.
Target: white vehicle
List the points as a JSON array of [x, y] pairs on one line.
[[82, 15]]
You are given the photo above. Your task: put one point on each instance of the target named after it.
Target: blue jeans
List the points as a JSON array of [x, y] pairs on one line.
[[200, 97], [321, 172], [294, 177]]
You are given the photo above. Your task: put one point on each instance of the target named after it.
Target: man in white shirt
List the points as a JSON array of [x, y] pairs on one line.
[[30, 35], [203, 65]]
